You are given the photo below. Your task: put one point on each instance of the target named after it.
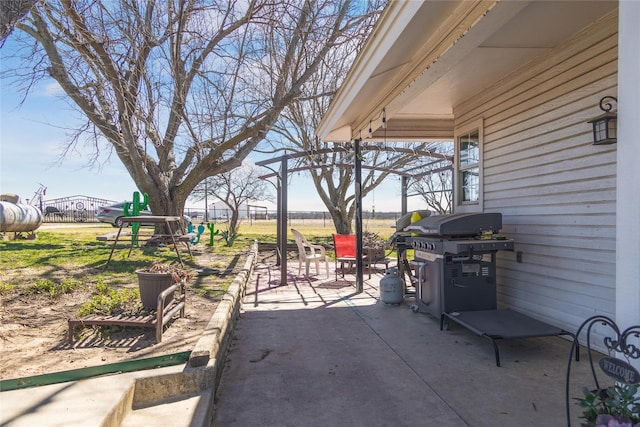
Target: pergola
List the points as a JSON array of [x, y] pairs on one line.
[[357, 148]]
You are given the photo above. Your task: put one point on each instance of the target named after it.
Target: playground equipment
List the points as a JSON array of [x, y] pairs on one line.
[[18, 217], [37, 196]]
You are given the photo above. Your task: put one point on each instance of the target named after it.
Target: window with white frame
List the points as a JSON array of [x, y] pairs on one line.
[[469, 168]]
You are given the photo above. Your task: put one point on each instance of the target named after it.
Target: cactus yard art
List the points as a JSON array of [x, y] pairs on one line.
[[133, 209], [212, 232]]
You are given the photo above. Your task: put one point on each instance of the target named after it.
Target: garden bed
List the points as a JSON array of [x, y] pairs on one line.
[[34, 313]]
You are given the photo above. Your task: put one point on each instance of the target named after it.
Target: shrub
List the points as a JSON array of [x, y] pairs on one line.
[[230, 236], [109, 302], [46, 286]]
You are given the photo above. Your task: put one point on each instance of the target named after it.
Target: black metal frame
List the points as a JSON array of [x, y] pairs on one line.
[[358, 166], [503, 324], [617, 343]]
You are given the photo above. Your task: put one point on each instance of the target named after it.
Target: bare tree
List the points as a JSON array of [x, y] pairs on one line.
[[235, 188], [179, 90], [436, 191], [435, 182], [12, 11], [331, 165]]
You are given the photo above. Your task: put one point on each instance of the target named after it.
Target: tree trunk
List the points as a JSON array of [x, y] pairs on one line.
[[161, 203], [233, 223], [342, 221]]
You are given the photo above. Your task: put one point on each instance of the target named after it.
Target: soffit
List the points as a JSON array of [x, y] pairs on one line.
[[420, 63]]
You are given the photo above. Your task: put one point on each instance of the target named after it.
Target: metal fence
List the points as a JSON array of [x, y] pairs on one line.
[[257, 215], [72, 209], [84, 209]]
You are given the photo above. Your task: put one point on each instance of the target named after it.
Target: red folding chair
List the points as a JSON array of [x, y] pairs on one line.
[[345, 247]]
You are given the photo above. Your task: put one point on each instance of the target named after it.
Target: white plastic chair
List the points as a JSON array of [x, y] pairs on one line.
[[309, 253]]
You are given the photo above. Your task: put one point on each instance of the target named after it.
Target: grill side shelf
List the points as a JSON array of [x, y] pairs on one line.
[[461, 246]]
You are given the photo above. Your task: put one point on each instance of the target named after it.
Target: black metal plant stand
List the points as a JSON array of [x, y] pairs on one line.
[[616, 342]]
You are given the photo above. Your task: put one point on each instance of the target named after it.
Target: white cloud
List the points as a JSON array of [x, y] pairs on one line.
[[52, 89]]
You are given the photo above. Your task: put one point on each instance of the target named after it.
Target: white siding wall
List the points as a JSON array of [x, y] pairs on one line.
[[555, 189]]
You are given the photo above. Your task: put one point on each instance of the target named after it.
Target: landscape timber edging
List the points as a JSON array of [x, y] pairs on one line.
[[214, 340]]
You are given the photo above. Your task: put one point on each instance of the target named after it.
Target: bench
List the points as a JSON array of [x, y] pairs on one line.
[[154, 319], [166, 239], [111, 236], [185, 238], [188, 237]]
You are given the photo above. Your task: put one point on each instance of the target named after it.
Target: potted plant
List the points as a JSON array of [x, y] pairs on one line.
[[617, 406], [152, 281]]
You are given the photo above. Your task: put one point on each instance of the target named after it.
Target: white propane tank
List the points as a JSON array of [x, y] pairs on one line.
[[18, 217], [391, 287]]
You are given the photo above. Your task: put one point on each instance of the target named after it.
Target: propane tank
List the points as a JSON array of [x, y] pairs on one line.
[[19, 217], [391, 287]]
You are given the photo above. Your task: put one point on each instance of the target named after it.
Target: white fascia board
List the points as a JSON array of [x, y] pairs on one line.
[[341, 134]]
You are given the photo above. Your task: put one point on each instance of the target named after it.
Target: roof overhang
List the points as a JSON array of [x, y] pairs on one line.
[[425, 58]]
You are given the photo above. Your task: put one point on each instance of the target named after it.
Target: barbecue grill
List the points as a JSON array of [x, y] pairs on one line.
[[456, 268], [455, 260]]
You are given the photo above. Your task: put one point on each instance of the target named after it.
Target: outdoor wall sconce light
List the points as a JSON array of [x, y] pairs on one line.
[[605, 127]]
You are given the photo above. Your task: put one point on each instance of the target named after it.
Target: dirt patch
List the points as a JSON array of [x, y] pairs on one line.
[[34, 330]]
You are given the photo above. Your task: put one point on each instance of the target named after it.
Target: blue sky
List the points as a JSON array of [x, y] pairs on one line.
[[33, 135]]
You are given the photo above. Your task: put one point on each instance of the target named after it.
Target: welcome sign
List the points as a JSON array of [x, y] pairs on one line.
[[620, 370]]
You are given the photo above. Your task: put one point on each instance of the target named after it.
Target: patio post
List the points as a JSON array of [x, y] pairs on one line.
[[282, 225], [278, 217], [405, 184], [358, 201]]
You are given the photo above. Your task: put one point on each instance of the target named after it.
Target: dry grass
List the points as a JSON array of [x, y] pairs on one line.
[[311, 228]]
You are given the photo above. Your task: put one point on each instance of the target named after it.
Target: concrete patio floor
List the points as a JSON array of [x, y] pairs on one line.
[[315, 353]]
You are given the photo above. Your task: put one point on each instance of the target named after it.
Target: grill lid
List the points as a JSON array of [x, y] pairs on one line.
[[467, 224]]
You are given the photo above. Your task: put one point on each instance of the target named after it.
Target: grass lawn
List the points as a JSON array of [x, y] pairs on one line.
[[312, 229], [68, 256]]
